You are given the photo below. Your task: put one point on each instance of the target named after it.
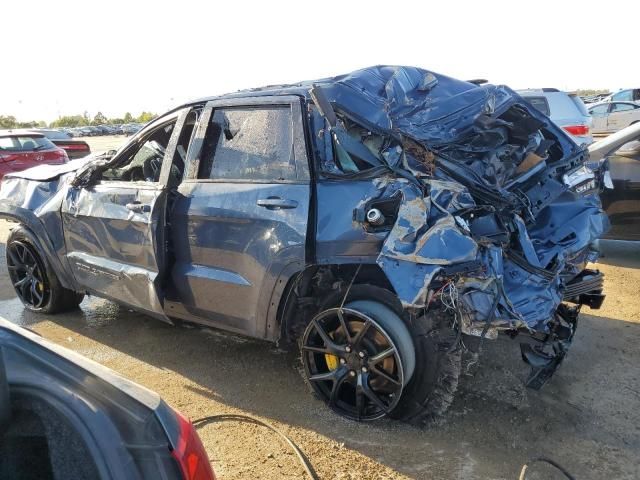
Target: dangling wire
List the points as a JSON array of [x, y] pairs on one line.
[[449, 296], [346, 294]]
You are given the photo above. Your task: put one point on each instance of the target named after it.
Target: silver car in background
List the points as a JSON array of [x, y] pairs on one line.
[[565, 109], [626, 95], [609, 117]]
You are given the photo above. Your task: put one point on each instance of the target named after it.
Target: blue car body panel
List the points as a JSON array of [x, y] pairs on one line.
[[493, 195]]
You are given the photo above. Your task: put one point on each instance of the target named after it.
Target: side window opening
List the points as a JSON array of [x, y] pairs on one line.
[[355, 149], [623, 96], [599, 110], [621, 107], [358, 150], [539, 103], [180, 155], [143, 163], [249, 143]]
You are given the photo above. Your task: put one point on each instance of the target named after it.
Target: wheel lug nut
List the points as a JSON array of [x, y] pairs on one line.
[[348, 349], [352, 373], [343, 361], [361, 354], [364, 370]]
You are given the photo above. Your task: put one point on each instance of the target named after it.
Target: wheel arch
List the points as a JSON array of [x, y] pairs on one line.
[[27, 220], [303, 292]]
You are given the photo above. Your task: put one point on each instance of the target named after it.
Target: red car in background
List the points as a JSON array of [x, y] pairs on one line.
[[19, 151]]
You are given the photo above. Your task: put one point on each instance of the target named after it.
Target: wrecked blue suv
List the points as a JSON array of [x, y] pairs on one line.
[[385, 220]]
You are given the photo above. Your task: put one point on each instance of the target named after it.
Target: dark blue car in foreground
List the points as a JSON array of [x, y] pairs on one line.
[[385, 220], [63, 416]]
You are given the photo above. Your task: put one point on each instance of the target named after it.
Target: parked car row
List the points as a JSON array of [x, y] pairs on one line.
[[625, 95], [98, 130], [603, 114]]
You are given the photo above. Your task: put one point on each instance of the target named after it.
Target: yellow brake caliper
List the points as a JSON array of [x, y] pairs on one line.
[[332, 360]]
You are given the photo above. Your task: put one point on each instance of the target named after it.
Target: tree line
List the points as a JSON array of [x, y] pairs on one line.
[[9, 121]]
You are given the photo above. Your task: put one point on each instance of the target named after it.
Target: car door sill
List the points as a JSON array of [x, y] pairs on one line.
[[176, 310]]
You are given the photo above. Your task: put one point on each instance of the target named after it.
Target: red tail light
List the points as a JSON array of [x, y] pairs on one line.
[[577, 130], [190, 453]]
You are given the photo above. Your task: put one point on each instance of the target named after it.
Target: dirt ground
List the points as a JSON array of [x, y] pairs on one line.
[[105, 143], [587, 418]]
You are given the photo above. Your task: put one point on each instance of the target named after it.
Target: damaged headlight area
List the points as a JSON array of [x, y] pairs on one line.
[[491, 210]]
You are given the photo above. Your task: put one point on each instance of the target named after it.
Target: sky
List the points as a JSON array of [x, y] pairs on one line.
[[66, 57]]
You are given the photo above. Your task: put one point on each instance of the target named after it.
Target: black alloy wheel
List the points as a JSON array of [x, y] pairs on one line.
[[27, 275], [353, 363]]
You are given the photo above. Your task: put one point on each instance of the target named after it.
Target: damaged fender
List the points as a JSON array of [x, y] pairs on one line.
[[496, 200]]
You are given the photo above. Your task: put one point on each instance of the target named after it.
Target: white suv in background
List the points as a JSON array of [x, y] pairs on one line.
[[565, 109]]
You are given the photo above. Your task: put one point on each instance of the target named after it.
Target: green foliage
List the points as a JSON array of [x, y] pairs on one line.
[[9, 121], [71, 121], [84, 120], [99, 119], [146, 117]]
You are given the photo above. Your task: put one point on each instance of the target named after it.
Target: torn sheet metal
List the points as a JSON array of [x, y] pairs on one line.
[[425, 236], [499, 186]]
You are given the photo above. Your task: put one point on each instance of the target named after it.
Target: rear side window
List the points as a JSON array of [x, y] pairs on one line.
[[599, 110], [621, 107], [623, 96], [564, 107], [539, 103], [249, 143], [24, 143]]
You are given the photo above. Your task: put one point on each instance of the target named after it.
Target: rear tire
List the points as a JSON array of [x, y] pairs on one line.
[[438, 366], [428, 347], [34, 281]]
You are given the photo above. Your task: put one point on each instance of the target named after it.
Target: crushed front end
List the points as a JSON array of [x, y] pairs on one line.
[[479, 201]]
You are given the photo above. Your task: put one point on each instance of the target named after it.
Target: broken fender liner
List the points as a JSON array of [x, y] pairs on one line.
[[547, 355]]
